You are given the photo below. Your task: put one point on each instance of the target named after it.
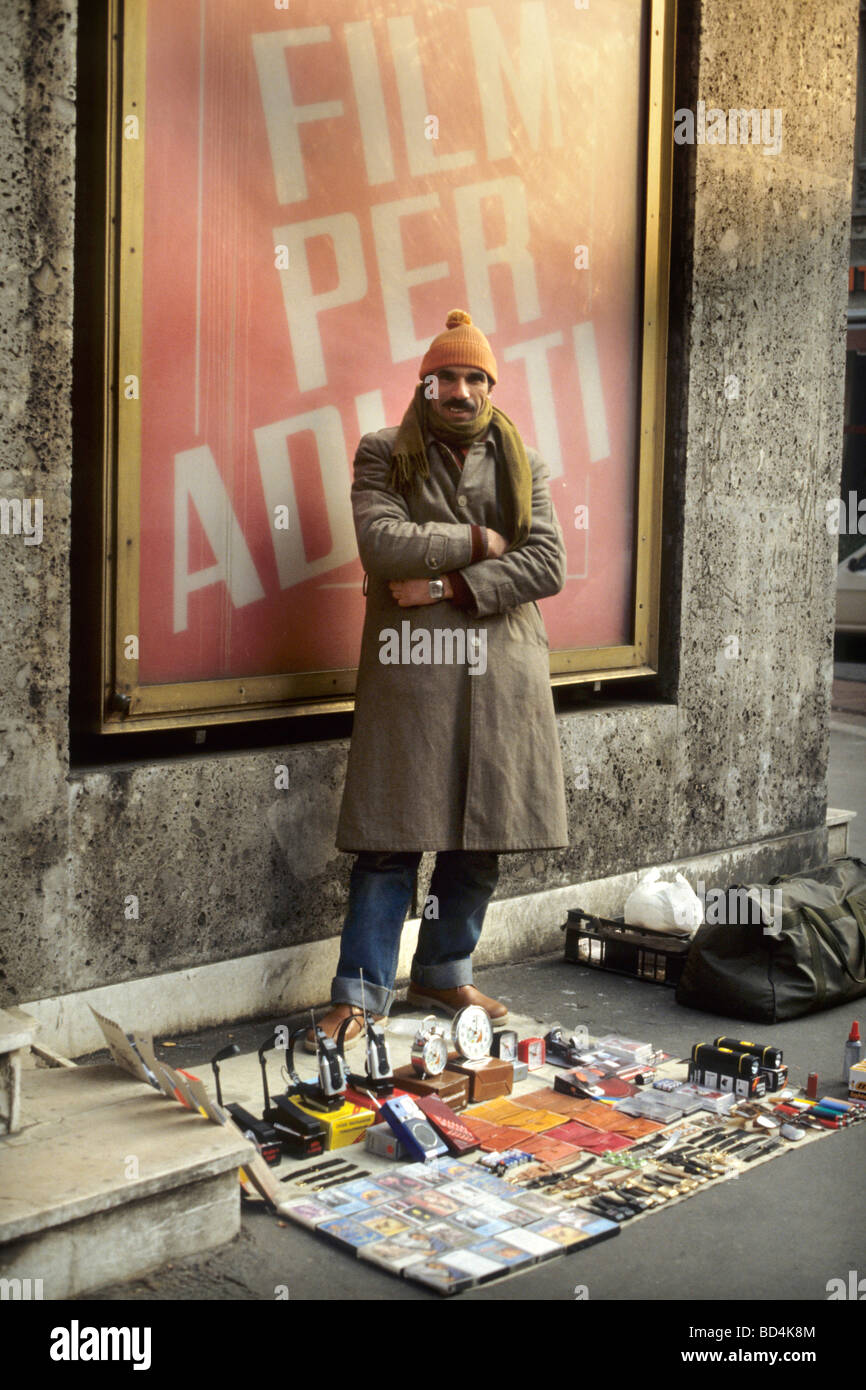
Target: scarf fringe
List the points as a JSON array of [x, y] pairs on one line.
[[407, 470]]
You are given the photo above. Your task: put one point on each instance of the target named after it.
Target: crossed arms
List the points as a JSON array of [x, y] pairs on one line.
[[408, 554]]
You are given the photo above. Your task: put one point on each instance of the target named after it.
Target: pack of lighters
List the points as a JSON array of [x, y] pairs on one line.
[[747, 1069]]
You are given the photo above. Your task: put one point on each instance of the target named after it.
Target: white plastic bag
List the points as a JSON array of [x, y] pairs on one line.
[[656, 905]]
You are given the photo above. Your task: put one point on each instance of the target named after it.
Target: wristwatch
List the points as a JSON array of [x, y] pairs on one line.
[[437, 588]]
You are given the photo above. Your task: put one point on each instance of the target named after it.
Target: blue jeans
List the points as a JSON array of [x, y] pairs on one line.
[[380, 893]]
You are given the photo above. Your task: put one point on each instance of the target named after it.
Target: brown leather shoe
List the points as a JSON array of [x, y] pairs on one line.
[[330, 1026], [451, 1001]]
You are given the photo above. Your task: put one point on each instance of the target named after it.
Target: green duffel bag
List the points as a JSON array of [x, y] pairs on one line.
[[799, 947]]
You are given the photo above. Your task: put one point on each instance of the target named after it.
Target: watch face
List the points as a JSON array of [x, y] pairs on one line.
[[472, 1033]]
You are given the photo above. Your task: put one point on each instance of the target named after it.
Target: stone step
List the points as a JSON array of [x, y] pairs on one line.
[[17, 1031], [108, 1179]]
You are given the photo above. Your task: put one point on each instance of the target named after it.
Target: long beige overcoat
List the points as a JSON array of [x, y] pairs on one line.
[[453, 753]]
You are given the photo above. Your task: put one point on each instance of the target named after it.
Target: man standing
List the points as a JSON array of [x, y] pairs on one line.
[[454, 746]]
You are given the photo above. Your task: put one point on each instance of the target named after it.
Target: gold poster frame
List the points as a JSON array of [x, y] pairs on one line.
[[125, 704]]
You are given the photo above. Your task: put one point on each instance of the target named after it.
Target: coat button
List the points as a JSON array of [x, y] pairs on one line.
[[461, 500]]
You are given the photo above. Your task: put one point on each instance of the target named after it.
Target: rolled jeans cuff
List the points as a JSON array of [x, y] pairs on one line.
[[345, 990], [449, 974]]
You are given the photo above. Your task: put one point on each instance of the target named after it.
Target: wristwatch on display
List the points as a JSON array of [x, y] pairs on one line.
[[437, 588]]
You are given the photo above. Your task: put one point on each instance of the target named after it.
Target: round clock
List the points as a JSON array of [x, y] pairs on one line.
[[472, 1032], [429, 1049]]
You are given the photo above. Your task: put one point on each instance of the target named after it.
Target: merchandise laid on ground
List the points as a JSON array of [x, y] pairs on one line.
[[487, 1151]]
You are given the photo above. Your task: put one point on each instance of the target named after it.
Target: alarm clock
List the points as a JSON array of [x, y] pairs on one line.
[[504, 1045], [472, 1033], [488, 1077], [532, 1052], [430, 1049]]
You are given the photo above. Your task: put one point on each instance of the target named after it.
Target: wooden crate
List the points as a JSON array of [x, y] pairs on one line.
[[608, 944]]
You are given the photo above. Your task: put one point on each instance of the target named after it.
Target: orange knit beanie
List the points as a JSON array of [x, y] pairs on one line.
[[461, 345]]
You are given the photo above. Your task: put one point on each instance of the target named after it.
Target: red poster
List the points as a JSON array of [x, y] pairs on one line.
[[322, 184]]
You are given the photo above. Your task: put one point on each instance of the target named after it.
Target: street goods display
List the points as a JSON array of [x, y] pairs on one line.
[[602, 1133], [613, 1130]]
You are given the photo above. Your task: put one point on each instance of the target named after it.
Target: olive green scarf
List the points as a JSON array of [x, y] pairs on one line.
[[409, 463]]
